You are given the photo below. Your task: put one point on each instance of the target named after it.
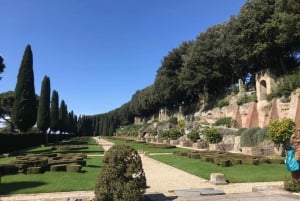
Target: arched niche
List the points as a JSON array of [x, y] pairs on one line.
[[263, 89]]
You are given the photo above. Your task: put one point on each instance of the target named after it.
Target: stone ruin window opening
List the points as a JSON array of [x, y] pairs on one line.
[[263, 90]]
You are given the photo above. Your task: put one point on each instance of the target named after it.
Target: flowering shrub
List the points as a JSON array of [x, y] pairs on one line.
[[280, 131]]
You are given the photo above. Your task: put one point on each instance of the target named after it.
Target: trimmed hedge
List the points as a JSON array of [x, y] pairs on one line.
[[225, 159], [58, 168], [73, 168]]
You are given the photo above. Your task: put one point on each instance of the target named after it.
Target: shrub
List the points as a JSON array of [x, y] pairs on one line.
[[261, 135], [194, 135], [58, 168], [247, 99], [222, 103], [280, 131], [226, 121], [122, 177], [6, 169], [73, 168], [290, 185], [212, 135], [240, 131], [174, 134], [173, 120], [34, 170], [248, 137]]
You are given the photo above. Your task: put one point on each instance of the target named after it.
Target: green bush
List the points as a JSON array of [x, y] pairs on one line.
[[6, 169], [280, 131], [58, 168], [194, 135], [173, 120], [289, 185], [226, 121], [248, 137], [174, 134], [73, 168], [212, 135], [287, 85], [222, 103], [247, 99], [34, 170], [262, 135], [122, 177], [240, 131]]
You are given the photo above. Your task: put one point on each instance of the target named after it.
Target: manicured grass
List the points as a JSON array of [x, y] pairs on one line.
[[139, 146], [234, 174], [55, 181]]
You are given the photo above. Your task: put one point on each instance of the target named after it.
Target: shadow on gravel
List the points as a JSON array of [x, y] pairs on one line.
[[12, 187], [158, 197]]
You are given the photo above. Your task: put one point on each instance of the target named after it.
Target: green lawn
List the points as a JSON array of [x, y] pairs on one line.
[[143, 146], [234, 174], [54, 181]]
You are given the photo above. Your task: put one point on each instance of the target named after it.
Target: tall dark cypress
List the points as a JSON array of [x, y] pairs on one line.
[[54, 112], [24, 110], [63, 111], [43, 118]]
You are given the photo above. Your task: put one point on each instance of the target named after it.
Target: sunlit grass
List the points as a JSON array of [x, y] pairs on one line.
[[55, 181], [234, 174]]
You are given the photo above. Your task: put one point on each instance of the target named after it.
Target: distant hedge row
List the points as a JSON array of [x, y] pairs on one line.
[[14, 142]]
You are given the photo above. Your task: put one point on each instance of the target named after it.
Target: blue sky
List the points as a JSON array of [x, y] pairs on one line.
[[98, 53]]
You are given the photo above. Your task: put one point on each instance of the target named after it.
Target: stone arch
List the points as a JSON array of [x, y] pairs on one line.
[[263, 90], [265, 82]]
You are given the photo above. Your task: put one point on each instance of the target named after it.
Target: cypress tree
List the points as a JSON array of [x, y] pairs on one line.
[[54, 112], [63, 112], [2, 66], [43, 120], [24, 110]]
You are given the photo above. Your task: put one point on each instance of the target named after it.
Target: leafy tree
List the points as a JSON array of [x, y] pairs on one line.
[[280, 131], [212, 135], [54, 112], [43, 120], [25, 105], [6, 104], [122, 177], [2, 66]]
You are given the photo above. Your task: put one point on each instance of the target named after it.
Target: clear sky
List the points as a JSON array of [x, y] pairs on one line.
[[98, 53]]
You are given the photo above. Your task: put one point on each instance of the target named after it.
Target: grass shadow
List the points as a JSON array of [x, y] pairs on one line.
[[12, 187]]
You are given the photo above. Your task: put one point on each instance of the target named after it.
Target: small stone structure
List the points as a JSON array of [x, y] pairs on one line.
[[217, 179]]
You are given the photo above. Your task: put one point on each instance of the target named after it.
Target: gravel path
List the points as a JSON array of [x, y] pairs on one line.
[[161, 179]]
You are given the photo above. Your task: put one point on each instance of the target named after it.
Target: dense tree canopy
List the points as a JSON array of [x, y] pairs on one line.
[[265, 34], [2, 66], [43, 120], [54, 111], [24, 111]]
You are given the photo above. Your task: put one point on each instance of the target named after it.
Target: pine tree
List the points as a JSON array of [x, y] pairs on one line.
[[54, 112], [43, 120], [25, 105]]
